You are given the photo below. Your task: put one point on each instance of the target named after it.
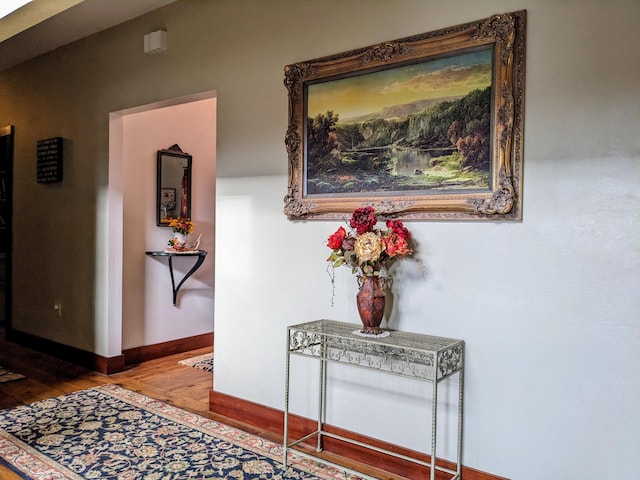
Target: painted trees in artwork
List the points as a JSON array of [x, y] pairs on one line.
[[454, 134]]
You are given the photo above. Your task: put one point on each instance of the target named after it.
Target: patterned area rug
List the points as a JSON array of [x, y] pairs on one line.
[[112, 432], [7, 376], [203, 362]]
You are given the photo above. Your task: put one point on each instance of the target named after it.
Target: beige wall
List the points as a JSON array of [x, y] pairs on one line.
[[148, 316], [548, 306]]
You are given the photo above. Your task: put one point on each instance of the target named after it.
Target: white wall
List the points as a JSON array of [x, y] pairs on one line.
[[549, 307]]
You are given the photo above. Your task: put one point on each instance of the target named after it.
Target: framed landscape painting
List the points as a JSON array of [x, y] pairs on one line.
[[426, 127]]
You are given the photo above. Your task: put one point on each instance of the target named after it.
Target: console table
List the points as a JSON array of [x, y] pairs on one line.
[[200, 254], [420, 357]]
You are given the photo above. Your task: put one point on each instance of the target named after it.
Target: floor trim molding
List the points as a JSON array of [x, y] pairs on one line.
[[164, 349], [77, 356], [108, 365], [272, 420]]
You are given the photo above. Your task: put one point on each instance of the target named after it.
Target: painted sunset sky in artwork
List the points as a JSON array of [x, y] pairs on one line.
[[369, 93]]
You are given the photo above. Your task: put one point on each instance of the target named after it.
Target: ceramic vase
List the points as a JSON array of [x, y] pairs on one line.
[[179, 241], [371, 302]]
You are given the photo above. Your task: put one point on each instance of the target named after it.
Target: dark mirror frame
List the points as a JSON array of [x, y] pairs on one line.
[[176, 191]]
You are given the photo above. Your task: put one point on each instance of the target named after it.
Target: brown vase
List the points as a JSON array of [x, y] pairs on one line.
[[371, 301]]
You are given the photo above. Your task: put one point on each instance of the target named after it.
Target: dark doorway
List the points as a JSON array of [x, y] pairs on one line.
[[6, 177]]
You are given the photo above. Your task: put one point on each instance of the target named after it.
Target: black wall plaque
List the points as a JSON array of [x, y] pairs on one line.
[[50, 160]]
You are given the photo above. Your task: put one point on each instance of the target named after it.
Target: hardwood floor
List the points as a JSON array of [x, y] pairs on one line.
[[163, 379], [46, 377]]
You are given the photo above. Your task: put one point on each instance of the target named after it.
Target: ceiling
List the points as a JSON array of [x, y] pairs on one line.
[[44, 25]]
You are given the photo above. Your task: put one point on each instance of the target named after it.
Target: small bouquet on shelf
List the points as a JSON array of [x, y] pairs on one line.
[[181, 227]]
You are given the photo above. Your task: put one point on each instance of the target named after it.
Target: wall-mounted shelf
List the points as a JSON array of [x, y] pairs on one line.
[[200, 254]]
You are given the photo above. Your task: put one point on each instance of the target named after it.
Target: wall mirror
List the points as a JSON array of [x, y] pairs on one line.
[[174, 185]]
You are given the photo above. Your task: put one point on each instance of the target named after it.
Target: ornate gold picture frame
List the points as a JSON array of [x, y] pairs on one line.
[[425, 127]]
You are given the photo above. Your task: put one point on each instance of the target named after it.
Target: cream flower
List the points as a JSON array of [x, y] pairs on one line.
[[368, 247]]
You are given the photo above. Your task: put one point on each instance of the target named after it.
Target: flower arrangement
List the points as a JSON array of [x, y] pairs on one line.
[[368, 250], [182, 226]]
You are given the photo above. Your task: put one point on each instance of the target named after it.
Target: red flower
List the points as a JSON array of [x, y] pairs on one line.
[[363, 220], [398, 228], [396, 245], [335, 240]]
